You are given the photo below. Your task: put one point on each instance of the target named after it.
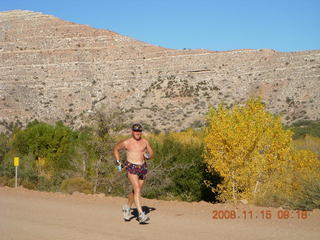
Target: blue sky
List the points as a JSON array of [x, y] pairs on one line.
[[282, 25]]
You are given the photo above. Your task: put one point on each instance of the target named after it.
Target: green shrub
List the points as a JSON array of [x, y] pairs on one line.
[[309, 198], [54, 143], [178, 170], [305, 127], [273, 199], [4, 180], [43, 183], [52, 155], [306, 199], [28, 184], [76, 185], [12, 182], [3, 146]]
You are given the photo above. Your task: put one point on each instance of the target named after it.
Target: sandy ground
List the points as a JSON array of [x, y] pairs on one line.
[[26, 215]]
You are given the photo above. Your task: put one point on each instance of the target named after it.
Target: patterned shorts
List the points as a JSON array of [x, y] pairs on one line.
[[140, 170]]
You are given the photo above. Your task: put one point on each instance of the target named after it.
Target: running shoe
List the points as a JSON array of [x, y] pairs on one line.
[[143, 218], [126, 212]]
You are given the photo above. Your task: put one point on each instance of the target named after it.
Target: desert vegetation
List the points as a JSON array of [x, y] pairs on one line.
[[241, 152]]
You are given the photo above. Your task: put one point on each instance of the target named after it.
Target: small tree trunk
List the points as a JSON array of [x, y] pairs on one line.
[[256, 188], [257, 184], [84, 168], [96, 179], [233, 188]]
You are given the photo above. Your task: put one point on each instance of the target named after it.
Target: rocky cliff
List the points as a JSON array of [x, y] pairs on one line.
[[54, 70]]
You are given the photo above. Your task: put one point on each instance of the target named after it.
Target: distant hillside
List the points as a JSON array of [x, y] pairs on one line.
[[56, 70]]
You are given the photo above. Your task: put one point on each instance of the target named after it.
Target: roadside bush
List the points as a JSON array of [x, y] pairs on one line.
[[11, 182], [4, 180], [43, 183], [273, 199], [309, 197], [45, 153], [55, 144], [28, 184], [76, 185], [178, 170]]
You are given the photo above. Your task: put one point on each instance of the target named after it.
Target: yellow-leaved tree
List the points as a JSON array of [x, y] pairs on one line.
[[250, 149]]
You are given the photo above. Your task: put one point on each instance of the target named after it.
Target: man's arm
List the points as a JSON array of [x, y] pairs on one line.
[[116, 150], [149, 149]]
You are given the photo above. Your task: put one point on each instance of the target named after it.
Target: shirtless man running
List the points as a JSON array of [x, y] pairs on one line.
[[138, 151]]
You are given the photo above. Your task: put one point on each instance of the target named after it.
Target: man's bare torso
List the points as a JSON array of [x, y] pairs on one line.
[[135, 150]]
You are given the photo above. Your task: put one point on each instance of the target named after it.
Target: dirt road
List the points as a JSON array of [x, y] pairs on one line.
[[31, 215]]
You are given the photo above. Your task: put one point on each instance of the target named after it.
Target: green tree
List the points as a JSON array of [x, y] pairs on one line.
[[178, 170], [102, 172], [45, 151], [3, 146]]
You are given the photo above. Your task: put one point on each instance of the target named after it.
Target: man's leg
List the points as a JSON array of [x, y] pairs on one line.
[[126, 209], [130, 196], [130, 199], [136, 185], [141, 182]]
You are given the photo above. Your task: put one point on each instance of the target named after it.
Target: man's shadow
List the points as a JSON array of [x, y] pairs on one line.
[[135, 214]]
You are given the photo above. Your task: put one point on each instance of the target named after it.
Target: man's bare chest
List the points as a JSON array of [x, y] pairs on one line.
[[136, 146]]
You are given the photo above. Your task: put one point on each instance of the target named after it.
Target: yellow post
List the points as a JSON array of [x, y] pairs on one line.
[[16, 161], [16, 164]]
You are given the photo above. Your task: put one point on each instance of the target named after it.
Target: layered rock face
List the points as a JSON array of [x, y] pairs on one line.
[[54, 70]]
